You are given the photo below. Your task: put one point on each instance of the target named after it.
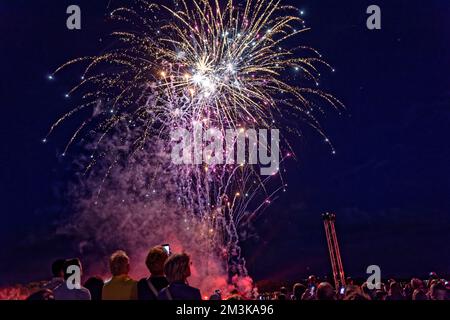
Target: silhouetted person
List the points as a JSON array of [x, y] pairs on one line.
[[438, 291], [408, 291], [310, 293], [95, 287], [380, 295], [416, 284], [177, 269], [325, 291], [432, 277], [283, 294], [349, 281], [297, 291], [217, 295], [120, 286], [419, 295], [312, 281], [395, 291], [148, 288], [58, 275], [64, 292]]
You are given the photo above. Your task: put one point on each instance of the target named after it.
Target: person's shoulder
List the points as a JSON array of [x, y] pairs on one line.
[[53, 283], [60, 288], [163, 290], [196, 289], [195, 292], [85, 290], [85, 293], [130, 281], [162, 295], [193, 289]]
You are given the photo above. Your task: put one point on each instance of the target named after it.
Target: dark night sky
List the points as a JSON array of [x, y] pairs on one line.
[[389, 182]]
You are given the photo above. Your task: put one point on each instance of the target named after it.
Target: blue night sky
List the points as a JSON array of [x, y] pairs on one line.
[[389, 182]]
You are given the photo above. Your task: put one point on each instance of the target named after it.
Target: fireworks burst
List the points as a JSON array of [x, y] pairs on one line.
[[221, 64]]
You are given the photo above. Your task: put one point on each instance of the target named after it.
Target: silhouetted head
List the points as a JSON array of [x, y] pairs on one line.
[[298, 290], [416, 283], [155, 260], [281, 296], [178, 267], [58, 268], [395, 289], [325, 291], [312, 280], [119, 263], [349, 281]]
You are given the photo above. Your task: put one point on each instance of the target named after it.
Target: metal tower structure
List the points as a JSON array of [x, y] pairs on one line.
[[333, 248]]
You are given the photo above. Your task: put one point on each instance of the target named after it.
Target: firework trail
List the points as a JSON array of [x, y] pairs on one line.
[[200, 61]]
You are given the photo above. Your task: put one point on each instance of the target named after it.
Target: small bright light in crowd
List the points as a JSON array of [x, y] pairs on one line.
[[302, 12], [66, 95], [50, 77]]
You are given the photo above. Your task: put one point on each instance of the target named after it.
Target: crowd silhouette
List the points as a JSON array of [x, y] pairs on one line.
[[168, 280]]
